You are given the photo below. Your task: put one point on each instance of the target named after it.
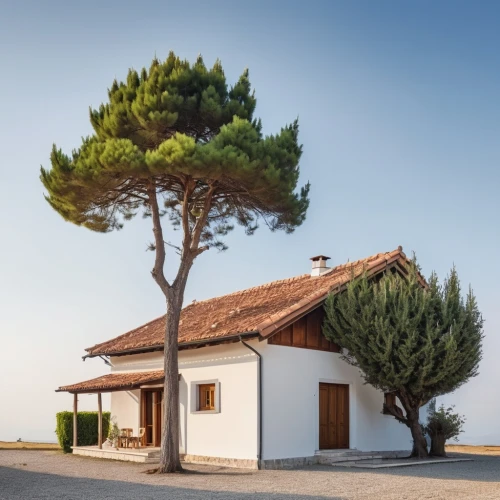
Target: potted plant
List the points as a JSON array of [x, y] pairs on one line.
[[114, 433]]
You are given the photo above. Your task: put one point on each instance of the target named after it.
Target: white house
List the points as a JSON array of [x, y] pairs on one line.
[[259, 384]]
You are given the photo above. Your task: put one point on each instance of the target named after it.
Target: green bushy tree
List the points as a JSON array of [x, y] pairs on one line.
[[442, 425], [415, 339], [175, 143]]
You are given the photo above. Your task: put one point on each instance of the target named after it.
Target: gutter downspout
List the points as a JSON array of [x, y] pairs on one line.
[[259, 357]]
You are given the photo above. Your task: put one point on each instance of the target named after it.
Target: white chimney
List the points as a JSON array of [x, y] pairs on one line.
[[319, 265]]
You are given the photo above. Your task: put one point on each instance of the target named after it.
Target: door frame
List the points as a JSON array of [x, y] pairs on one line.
[[351, 405]]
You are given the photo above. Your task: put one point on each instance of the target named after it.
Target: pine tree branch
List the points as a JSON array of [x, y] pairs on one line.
[[190, 246], [179, 250], [186, 243], [158, 269], [202, 219]]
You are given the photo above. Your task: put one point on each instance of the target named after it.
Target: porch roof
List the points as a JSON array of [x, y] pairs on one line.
[[114, 382]]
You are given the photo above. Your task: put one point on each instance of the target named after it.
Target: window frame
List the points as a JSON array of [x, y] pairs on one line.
[[196, 397]]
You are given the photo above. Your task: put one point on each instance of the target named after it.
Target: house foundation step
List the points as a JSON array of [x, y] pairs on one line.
[[143, 455], [328, 457]]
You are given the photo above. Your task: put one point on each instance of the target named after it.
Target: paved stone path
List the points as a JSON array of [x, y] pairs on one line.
[[44, 475]]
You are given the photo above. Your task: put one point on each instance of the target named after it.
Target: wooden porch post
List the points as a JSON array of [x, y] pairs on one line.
[[75, 419], [99, 420]]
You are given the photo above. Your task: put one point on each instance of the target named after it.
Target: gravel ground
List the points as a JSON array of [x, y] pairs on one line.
[[51, 475]]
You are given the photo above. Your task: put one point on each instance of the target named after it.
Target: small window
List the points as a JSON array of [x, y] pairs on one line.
[[206, 401]]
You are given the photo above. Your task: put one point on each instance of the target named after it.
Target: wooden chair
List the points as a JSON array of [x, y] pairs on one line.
[[136, 441], [142, 436], [125, 435]]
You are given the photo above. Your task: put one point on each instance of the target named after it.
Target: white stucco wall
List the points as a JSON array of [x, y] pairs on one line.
[[229, 433], [291, 379], [125, 406]]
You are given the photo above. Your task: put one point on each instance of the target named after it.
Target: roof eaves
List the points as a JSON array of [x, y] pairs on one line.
[[124, 387], [182, 345]]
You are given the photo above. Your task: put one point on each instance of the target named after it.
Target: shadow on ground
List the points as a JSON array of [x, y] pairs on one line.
[[18, 484], [224, 471]]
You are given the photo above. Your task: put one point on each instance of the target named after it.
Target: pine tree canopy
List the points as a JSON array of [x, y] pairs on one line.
[[176, 133], [176, 129], [418, 341]]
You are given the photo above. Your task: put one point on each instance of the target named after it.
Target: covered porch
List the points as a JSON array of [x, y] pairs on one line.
[[136, 444]]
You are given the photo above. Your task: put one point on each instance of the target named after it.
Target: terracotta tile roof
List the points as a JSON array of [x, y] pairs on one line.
[[261, 309], [115, 381]]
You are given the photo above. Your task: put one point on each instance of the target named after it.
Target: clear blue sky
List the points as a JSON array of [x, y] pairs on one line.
[[400, 120]]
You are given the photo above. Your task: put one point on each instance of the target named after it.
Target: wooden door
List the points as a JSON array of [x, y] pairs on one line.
[[333, 416], [151, 415]]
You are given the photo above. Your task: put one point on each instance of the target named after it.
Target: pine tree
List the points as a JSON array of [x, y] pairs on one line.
[[416, 339], [175, 141]]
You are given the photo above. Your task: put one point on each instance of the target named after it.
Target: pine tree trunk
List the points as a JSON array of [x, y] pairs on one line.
[[419, 442], [174, 293], [169, 455]]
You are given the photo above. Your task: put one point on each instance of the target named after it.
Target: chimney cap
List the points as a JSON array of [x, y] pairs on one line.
[[319, 257]]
